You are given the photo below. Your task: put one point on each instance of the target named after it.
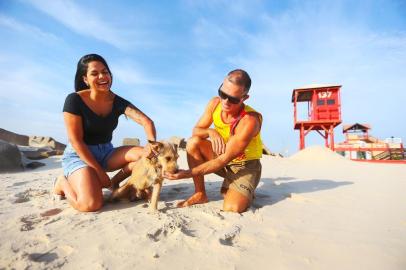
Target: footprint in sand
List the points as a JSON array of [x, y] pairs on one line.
[[228, 236], [26, 195], [20, 183], [180, 189], [298, 198], [213, 213], [175, 222], [51, 212], [30, 221], [45, 257], [67, 249]]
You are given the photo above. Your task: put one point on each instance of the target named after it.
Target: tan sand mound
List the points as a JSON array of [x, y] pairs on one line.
[[317, 153]]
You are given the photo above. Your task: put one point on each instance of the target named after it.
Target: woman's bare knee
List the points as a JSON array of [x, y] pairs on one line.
[[134, 154], [89, 204]]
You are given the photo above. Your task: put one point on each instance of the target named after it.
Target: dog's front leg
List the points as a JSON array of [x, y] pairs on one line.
[[155, 196]]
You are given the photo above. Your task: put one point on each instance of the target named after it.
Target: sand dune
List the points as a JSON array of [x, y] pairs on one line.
[[314, 210]]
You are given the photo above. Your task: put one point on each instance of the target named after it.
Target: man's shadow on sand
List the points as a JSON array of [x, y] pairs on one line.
[[270, 191], [274, 190]]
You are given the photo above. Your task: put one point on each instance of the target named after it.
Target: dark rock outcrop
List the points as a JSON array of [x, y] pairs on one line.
[[10, 157], [12, 137]]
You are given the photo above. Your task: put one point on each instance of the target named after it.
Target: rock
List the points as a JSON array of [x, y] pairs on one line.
[[39, 153], [10, 157], [131, 141], [34, 141], [265, 150], [180, 142], [34, 165], [12, 137], [41, 141]]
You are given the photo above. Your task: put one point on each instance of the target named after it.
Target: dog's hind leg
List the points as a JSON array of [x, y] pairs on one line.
[[121, 192]]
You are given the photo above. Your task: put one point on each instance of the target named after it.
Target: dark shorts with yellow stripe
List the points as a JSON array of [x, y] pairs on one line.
[[242, 177]]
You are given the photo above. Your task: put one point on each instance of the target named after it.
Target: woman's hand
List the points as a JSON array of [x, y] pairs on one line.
[[103, 178], [217, 142]]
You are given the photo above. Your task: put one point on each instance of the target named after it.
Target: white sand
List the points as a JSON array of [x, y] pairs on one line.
[[314, 210]]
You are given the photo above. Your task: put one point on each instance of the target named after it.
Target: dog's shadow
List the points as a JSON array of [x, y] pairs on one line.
[[170, 195]]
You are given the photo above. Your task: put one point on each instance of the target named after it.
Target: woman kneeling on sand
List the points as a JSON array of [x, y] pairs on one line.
[[91, 114]]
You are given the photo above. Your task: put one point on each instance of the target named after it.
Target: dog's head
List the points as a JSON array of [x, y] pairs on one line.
[[166, 155]]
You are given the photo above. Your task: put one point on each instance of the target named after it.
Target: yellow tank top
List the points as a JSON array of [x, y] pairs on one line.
[[254, 148]]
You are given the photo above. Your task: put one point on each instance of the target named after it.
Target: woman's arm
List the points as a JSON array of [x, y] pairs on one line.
[[140, 118]]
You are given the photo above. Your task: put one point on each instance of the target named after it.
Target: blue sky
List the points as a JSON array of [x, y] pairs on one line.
[[169, 57]]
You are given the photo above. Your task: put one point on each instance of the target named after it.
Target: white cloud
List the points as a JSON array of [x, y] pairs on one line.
[[32, 31], [31, 99], [131, 75], [87, 23]]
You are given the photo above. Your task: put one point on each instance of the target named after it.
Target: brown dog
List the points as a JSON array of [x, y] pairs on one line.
[[147, 172]]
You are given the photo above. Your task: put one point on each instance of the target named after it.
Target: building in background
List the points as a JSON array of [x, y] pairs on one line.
[[359, 144]]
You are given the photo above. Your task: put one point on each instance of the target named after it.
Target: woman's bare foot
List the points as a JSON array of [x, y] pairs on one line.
[[197, 198], [58, 185]]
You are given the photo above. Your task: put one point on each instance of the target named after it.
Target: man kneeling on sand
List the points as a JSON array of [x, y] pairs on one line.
[[231, 149]]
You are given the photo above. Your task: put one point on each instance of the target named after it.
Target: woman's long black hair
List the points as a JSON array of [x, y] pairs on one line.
[[82, 70]]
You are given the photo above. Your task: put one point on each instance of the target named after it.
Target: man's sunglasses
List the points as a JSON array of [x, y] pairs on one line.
[[233, 100]]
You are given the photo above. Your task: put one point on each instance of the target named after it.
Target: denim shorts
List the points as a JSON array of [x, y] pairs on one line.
[[71, 162]]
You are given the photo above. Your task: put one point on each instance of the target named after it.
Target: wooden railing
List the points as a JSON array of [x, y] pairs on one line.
[[386, 152]]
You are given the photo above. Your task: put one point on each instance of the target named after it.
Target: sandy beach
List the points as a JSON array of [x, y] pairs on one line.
[[313, 210]]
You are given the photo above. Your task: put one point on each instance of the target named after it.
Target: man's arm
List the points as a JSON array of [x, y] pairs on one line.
[[202, 128], [248, 128]]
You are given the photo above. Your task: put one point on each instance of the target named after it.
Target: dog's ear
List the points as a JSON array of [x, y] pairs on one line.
[[175, 146], [156, 146]]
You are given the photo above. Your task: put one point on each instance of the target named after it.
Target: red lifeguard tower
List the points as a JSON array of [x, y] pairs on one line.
[[323, 111]]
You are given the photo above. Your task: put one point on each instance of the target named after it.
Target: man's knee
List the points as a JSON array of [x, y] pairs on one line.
[[235, 207], [193, 144], [236, 202]]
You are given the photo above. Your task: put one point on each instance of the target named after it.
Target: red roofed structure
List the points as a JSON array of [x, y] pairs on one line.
[[323, 111]]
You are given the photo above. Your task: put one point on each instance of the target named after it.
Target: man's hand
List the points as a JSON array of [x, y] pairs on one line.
[[217, 142], [180, 174]]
